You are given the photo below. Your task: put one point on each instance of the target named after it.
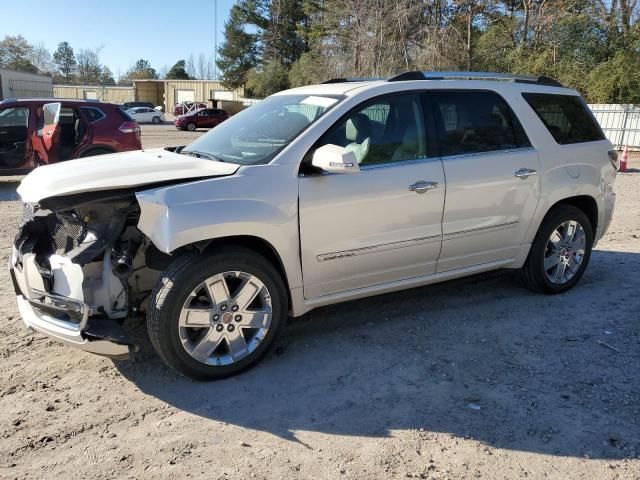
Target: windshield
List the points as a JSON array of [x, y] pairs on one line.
[[258, 133]]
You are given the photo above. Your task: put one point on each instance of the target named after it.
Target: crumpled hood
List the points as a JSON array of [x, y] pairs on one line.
[[116, 171]]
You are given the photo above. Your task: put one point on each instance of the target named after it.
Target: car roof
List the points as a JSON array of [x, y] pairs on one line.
[[9, 101], [435, 80]]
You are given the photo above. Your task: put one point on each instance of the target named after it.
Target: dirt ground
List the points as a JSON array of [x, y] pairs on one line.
[[475, 378]]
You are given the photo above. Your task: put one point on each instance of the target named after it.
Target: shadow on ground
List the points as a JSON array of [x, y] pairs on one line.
[[479, 358]]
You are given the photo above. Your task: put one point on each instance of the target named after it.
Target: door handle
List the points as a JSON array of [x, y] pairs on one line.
[[422, 186], [524, 173]]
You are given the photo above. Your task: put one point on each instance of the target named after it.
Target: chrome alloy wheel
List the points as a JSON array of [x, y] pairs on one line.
[[225, 318], [564, 252]]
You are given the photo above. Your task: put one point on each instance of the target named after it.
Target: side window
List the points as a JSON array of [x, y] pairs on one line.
[[387, 129], [473, 122], [93, 114], [14, 117], [566, 117]]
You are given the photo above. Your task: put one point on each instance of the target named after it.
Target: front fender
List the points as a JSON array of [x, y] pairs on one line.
[[256, 202]]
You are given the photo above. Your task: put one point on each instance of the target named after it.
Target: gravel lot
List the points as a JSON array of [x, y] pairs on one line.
[[470, 379]]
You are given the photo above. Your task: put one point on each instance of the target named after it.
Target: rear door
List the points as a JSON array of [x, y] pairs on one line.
[[492, 182], [382, 224], [51, 130], [207, 118]]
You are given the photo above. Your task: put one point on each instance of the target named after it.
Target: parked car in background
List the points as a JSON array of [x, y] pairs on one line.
[[42, 131], [186, 107], [129, 105], [314, 196], [202, 118], [146, 115]]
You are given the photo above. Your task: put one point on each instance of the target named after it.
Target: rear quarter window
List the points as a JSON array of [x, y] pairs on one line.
[[93, 114], [124, 115], [567, 117]]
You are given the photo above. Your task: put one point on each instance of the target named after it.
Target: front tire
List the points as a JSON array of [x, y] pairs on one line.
[[156, 120], [215, 315], [560, 252], [191, 127]]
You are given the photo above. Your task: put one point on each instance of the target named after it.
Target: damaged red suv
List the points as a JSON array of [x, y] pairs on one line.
[[41, 131]]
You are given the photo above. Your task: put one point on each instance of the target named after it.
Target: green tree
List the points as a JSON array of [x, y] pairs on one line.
[[178, 72], [16, 54], [106, 76], [141, 70], [270, 78], [616, 80], [65, 60], [282, 40], [240, 51]]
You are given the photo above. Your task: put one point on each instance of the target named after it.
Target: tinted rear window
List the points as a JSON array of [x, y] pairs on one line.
[[566, 117], [476, 121], [124, 115]]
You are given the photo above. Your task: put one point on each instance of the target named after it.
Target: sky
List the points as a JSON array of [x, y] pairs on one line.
[[161, 31]]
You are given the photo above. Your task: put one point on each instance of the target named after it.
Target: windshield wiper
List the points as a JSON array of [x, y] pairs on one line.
[[196, 154]]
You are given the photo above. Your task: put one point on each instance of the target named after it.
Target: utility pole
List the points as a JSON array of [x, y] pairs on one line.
[[215, 39]]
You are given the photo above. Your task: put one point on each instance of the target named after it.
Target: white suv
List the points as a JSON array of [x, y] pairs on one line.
[[314, 196]]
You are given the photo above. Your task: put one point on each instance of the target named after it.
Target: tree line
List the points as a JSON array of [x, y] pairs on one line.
[[85, 67], [590, 45]]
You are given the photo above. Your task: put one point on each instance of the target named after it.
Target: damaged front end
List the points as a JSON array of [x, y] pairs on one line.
[[80, 266]]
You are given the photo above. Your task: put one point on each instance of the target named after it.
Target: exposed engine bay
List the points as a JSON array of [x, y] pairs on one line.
[[91, 252]]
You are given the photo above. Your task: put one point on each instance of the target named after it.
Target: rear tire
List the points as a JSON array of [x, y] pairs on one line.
[[184, 321], [191, 127], [560, 252]]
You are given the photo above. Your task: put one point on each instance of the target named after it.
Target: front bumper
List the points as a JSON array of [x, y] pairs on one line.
[[62, 317]]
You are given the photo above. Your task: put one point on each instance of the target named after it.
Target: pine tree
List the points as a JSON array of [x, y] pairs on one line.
[[178, 72], [106, 77], [65, 60], [239, 52]]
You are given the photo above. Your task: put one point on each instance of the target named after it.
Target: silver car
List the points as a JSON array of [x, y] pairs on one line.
[[314, 196]]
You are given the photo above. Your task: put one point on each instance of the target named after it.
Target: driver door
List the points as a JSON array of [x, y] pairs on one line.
[[384, 223], [51, 131]]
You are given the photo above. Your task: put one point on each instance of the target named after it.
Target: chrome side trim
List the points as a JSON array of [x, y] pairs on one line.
[[378, 248], [398, 163], [473, 231], [490, 152]]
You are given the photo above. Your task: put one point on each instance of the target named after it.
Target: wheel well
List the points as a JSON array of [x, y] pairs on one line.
[[259, 246], [585, 203], [87, 152]]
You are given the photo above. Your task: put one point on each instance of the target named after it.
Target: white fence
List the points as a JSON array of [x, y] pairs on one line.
[[620, 123]]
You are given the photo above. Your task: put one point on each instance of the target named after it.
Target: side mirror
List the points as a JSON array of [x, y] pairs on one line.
[[335, 159]]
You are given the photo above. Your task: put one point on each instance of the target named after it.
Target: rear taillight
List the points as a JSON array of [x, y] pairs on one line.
[[613, 158], [129, 127]]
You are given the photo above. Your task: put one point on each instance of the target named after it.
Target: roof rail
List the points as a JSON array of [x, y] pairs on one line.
[[351, 79], [418, 75]]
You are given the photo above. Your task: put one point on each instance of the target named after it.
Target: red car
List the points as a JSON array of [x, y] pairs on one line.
[[186, 107], [202, 118], [41, 131]]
